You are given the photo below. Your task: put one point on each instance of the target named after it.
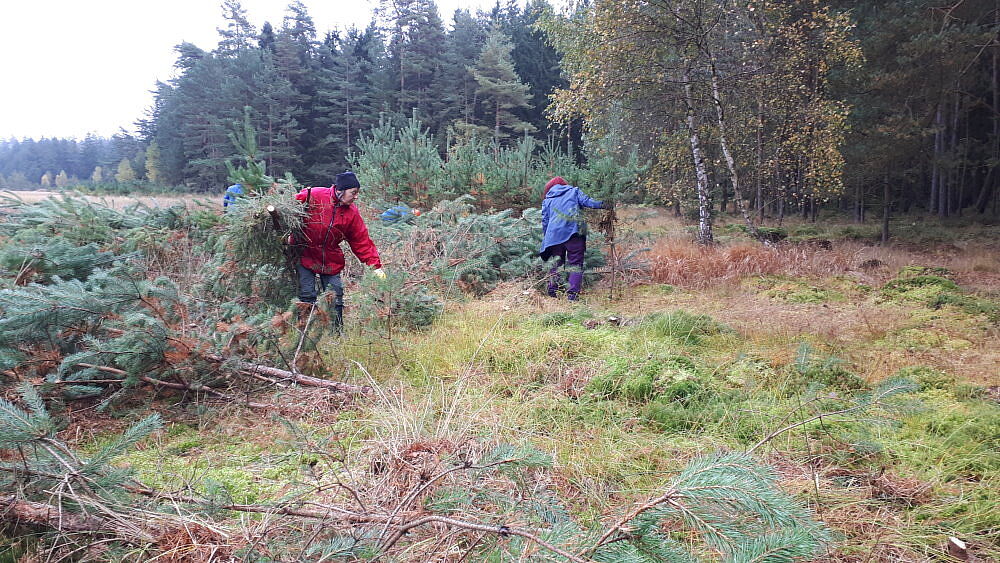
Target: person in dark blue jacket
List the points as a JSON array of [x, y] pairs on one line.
[[232, 192], [399, 214], [564, 233]]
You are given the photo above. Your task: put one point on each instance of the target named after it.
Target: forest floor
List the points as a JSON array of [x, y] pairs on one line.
[[742, 334]]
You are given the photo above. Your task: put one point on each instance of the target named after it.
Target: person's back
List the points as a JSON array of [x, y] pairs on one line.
[[561, 218], [232, 192], [564, 233], [399, 213]]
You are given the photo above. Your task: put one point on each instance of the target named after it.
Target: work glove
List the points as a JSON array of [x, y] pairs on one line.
[[608, 204], [379, 273]]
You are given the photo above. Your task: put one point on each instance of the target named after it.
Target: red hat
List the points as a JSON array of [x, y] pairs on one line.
[[557, 181]]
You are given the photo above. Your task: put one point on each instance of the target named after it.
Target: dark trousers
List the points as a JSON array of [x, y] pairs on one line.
[[570, 252], [308, 291]]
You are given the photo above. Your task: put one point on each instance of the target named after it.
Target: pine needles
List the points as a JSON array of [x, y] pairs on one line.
[[253, 236]]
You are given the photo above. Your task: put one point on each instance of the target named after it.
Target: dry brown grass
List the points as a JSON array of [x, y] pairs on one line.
[[686, 264]]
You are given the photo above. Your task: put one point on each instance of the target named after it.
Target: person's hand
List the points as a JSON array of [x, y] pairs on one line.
[[608, 204], [379, 273]]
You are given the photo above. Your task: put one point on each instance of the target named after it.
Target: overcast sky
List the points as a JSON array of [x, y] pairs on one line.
[[71, 67]]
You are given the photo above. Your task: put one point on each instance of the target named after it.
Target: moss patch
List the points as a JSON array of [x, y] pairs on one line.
[[920, 288], [681, 326], [639, 381]]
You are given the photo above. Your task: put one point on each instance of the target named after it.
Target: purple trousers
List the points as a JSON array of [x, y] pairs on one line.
[[570, 252]]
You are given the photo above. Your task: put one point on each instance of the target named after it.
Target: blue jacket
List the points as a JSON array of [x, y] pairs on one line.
[[396, 214], [561, 217], [231, 193]]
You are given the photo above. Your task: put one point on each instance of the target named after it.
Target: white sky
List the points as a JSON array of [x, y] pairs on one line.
[[69, 67]]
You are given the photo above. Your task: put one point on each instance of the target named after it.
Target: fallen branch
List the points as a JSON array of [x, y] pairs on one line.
[[606, 538], [502, 531], [15, 510], [297, 377], [181, 386]]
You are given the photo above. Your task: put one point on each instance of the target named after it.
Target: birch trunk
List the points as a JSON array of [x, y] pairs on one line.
[[741, 202], [704, 197]]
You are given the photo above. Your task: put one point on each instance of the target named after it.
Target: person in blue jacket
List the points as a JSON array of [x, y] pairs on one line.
[[232, 192], [564, 232], [399, 214]]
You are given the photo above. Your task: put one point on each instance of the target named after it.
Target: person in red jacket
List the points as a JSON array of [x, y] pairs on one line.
[[332, 218]]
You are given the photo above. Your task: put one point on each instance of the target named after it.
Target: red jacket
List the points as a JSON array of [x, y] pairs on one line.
[[327, 225]]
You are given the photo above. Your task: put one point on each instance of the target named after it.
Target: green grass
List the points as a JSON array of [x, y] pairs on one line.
[[620, 406]]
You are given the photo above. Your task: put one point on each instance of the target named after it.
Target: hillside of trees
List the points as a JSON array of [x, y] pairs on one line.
[[765, 108]]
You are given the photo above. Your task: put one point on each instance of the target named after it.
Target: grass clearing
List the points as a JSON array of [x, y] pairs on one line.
[[731, 344]]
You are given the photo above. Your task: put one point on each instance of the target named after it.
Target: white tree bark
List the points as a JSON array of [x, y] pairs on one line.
[[704, 197]]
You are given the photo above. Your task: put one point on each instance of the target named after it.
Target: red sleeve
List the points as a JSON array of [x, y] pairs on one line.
[[361, 244]]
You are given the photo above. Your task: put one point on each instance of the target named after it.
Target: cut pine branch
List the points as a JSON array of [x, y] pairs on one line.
[[171, 385], [20, 511], [296, 377]]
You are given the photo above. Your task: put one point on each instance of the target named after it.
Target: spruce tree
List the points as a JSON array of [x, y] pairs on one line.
[[535, 60], [239, 33], [331, 104], [416, 59], [296, 61], [500, 89], [465, 42]]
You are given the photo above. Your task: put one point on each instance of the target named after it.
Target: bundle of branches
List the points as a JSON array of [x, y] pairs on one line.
[[256, 227], [87, 508], [116, 330], [251, 260], [454, 246], [496, 502], [493, 502], [251, 255], [28, 261]]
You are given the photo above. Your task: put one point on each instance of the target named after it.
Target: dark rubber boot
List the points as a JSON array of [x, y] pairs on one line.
[[338, 318]]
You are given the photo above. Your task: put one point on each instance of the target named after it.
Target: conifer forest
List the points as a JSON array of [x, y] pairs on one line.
[[786, 346]]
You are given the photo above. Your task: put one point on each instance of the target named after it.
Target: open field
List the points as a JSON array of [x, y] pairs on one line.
[[706, 349], [118, 201]]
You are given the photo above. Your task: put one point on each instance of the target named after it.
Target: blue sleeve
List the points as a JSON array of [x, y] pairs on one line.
[[583, 200], [545, 218]]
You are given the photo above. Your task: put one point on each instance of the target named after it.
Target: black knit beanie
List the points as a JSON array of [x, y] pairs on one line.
[[346, 180]]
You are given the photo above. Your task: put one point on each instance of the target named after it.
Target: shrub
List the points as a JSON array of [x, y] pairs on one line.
[[928, 377], [795, 291], [394, 300], [681, 326], [970, 304], [563, 318], [859, 233], [829, 371], [916, 271], [670, 378], [918, 288]]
